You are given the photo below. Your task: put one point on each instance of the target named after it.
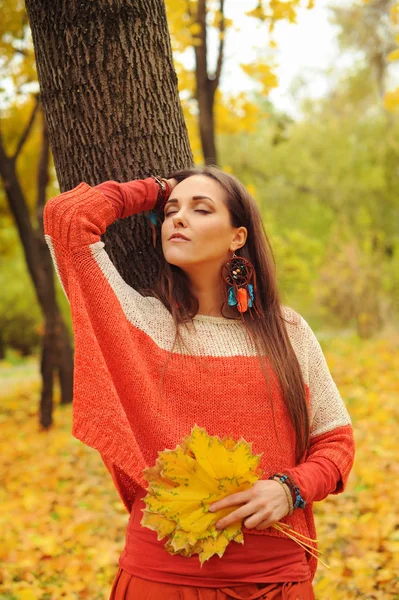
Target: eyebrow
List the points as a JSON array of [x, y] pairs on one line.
[[200, 197]]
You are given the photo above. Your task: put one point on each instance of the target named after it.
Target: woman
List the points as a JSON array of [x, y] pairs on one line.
[[201, 348]]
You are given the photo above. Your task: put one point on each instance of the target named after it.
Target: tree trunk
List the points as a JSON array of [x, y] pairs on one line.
[[205, 99], [38, 260], [109, 93], [57, 355], [2, 348], [206, 84]]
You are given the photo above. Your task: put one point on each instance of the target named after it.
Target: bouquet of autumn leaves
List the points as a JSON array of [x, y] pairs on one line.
[[183, 484]]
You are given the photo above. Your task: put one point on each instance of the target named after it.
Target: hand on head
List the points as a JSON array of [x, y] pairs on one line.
[[172, 183]]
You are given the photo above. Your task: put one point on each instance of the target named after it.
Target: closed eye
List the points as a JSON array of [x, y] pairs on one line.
[[206, 212]]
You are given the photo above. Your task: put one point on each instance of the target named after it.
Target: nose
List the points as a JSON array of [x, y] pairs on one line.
[[178, 219]]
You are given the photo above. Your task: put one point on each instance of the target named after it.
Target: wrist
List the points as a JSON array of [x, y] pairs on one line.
[[163, 192], [287, 493], [295, 500]]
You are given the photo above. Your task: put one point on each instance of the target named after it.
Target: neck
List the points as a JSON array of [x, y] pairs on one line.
[[208, 287]]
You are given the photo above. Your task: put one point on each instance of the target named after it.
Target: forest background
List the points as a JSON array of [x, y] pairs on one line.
[[326, 179]]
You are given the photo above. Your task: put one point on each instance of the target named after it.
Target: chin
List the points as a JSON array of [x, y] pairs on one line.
[[177, 263], [175, 260]]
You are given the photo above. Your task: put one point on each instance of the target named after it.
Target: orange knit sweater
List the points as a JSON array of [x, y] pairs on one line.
[[122, 341]]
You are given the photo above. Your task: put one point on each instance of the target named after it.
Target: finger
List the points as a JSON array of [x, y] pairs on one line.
[[236, 515], [265, 524], [260, 516], [172, 183], [232, 500]]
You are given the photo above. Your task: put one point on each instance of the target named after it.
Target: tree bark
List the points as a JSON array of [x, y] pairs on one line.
[[109, 93]]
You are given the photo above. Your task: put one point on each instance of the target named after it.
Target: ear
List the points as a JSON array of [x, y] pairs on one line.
[[239, 237]]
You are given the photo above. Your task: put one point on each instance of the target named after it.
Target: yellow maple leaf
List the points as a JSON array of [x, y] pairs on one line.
[[185, 481]]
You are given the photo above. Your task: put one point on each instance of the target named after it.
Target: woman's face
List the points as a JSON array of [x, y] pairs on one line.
[[196, 209]]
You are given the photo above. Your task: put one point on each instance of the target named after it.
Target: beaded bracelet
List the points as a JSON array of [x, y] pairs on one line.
[[287, 493], [299, 501]]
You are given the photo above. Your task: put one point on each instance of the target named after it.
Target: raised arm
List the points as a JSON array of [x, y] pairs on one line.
[[75, 220], [99, 297], [112, 322]]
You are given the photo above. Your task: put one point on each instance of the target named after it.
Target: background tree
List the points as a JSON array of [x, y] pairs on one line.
[[369, 30], [56, 351], [329, 193], [70, 104], [329, 190], [101, 125], [194, 25], [372, 32], [304, 168], [382, 49]]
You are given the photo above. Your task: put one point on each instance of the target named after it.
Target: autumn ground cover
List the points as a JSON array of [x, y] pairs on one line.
[[62, 524]]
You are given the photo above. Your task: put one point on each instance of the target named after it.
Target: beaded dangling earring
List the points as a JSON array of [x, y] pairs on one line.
[[153, 223], [154, 214], [239, 274]]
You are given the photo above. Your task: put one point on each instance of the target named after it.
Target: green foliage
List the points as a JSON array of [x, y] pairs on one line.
[[327, 183], [329, 192], [20, 317]]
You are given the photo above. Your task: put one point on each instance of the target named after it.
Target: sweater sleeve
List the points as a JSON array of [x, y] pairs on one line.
[[75, 220], [330, 454], [112, 322]]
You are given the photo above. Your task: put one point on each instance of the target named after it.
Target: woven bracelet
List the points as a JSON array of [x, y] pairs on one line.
[[287, 493], [299, 501]]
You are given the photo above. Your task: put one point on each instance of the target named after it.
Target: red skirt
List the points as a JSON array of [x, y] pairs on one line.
[[130, 587]]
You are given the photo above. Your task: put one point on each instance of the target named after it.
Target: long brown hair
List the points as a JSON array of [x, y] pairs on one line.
[[268, 332]]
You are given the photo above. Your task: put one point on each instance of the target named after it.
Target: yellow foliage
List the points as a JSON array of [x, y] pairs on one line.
[[235, 114], [278, 10], [363, 522], [13, 26], [27, 594], [395, 14], [391, 100], [284, 10], [57, 500], [216, 18], [183, 484], [394, 55], [195, 28], [81, 520], [263, 73], [257, 13], [251, 190]]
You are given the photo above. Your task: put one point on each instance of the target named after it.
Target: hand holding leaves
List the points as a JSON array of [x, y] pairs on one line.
[[262, 505]]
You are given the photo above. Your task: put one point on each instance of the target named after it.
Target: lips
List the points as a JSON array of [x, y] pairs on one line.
[[179, 236]]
